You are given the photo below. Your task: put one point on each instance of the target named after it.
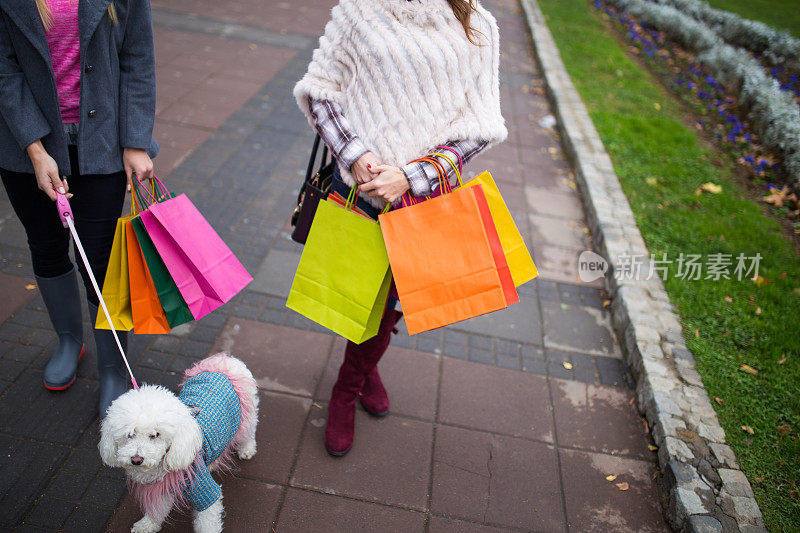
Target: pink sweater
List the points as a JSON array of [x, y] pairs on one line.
[[63, 40]]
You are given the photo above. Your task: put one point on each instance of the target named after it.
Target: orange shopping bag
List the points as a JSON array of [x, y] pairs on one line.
[[489, 224], [148, 315], [442, 259]]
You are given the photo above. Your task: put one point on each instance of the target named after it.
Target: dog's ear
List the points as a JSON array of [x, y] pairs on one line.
[[110, 430], [186, 442]]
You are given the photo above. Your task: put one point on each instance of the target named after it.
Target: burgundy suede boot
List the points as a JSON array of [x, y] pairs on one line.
[[374, 398], [359, 361]]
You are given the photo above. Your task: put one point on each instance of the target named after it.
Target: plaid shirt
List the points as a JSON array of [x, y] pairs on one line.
[[347, 148]]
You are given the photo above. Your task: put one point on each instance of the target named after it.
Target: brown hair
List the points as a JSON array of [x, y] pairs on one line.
[[463, 10], [47, 16]]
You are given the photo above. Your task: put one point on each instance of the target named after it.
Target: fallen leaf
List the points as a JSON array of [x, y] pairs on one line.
[[728, 299], [748, 429], [749, 369], [622, 486], [568, 366], [719, 400], [612, 477], [657, 106], [30, 286], [652, 447], [606, 303], [760, 479], [713, 188], [697, 333], [783, 359], [778, 196], [760, 281], [783, 275], [784, 429]]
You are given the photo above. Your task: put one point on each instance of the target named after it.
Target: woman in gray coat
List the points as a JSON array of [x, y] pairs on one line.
[[77, 105]]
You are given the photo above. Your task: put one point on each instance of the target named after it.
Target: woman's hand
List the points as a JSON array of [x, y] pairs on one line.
[[388, 183], [136, 161], [361, 168], [45, 169]]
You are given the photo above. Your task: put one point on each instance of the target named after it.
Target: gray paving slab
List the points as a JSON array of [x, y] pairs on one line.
[[276, 273]]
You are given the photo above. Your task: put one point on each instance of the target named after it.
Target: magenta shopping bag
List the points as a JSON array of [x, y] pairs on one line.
[[203, 267]]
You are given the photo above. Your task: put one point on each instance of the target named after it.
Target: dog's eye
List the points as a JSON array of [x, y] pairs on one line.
[[130, 435], [154, 436]]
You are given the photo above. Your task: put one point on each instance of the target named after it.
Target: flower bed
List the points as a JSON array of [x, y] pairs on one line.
[[770, 111]]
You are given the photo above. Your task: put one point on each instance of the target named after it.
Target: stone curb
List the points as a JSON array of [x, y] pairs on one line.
[[702, 488]]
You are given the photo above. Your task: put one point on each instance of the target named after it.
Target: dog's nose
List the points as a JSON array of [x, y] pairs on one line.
[[137, 460]]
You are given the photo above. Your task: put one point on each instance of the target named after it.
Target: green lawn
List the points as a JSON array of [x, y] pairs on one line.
[[661, 162], [780, 14]]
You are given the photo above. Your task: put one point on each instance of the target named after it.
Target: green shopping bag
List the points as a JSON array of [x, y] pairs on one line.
[[175, 307], [343, 279]]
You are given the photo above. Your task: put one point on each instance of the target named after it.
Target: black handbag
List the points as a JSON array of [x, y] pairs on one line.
[[315, 188]]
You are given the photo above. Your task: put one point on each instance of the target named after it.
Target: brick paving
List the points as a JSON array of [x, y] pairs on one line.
[[510, 421]]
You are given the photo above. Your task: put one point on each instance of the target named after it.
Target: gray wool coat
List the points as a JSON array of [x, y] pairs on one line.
[[118, 96]]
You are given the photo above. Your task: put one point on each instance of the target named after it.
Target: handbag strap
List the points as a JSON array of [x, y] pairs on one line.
[[310, 168]]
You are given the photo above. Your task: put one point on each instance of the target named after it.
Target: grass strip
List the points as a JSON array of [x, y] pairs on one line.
[[728, 323]]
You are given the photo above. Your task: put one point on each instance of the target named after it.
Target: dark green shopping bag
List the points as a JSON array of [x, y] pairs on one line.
[[343, 279], [175, 307]]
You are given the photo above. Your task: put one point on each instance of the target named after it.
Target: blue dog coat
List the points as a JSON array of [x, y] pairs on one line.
[[212, 396]]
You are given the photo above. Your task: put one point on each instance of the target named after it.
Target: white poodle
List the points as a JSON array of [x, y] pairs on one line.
[[169, 444]]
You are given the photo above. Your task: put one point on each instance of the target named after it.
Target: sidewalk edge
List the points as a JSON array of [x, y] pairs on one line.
[[702, 487]]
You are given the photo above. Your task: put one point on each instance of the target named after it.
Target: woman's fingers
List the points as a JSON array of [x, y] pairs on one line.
[[368, 186], [57, 185]]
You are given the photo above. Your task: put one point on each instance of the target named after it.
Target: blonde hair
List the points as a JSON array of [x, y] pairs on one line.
[[47, 16]]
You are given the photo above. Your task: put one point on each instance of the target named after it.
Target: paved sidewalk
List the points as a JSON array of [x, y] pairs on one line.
[[510, 421]]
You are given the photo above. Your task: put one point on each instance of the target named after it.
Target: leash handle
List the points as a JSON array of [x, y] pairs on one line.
[[65, 213]]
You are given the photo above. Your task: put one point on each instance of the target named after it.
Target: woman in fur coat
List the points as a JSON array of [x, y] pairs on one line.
[[393, 81]]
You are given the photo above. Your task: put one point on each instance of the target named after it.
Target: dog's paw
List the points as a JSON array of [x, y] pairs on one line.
[[247, 450], [145, 525]]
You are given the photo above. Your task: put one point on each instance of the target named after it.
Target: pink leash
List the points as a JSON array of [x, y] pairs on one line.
[[65, 213]]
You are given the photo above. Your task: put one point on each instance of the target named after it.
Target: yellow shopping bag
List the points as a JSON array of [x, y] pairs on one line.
[[519, 259], [116, 287]]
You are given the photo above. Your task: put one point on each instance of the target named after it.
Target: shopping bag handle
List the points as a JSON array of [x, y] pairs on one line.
[[452, 164], [409, 199], [456, 152], [155, 183]]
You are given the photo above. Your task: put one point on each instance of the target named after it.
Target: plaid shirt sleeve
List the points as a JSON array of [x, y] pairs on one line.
[[422, 175], [336, 132]]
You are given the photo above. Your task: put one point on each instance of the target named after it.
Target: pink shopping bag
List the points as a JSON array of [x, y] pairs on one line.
[[203, 267]]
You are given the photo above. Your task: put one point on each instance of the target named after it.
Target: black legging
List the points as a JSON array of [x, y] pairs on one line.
[[96, 205]]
